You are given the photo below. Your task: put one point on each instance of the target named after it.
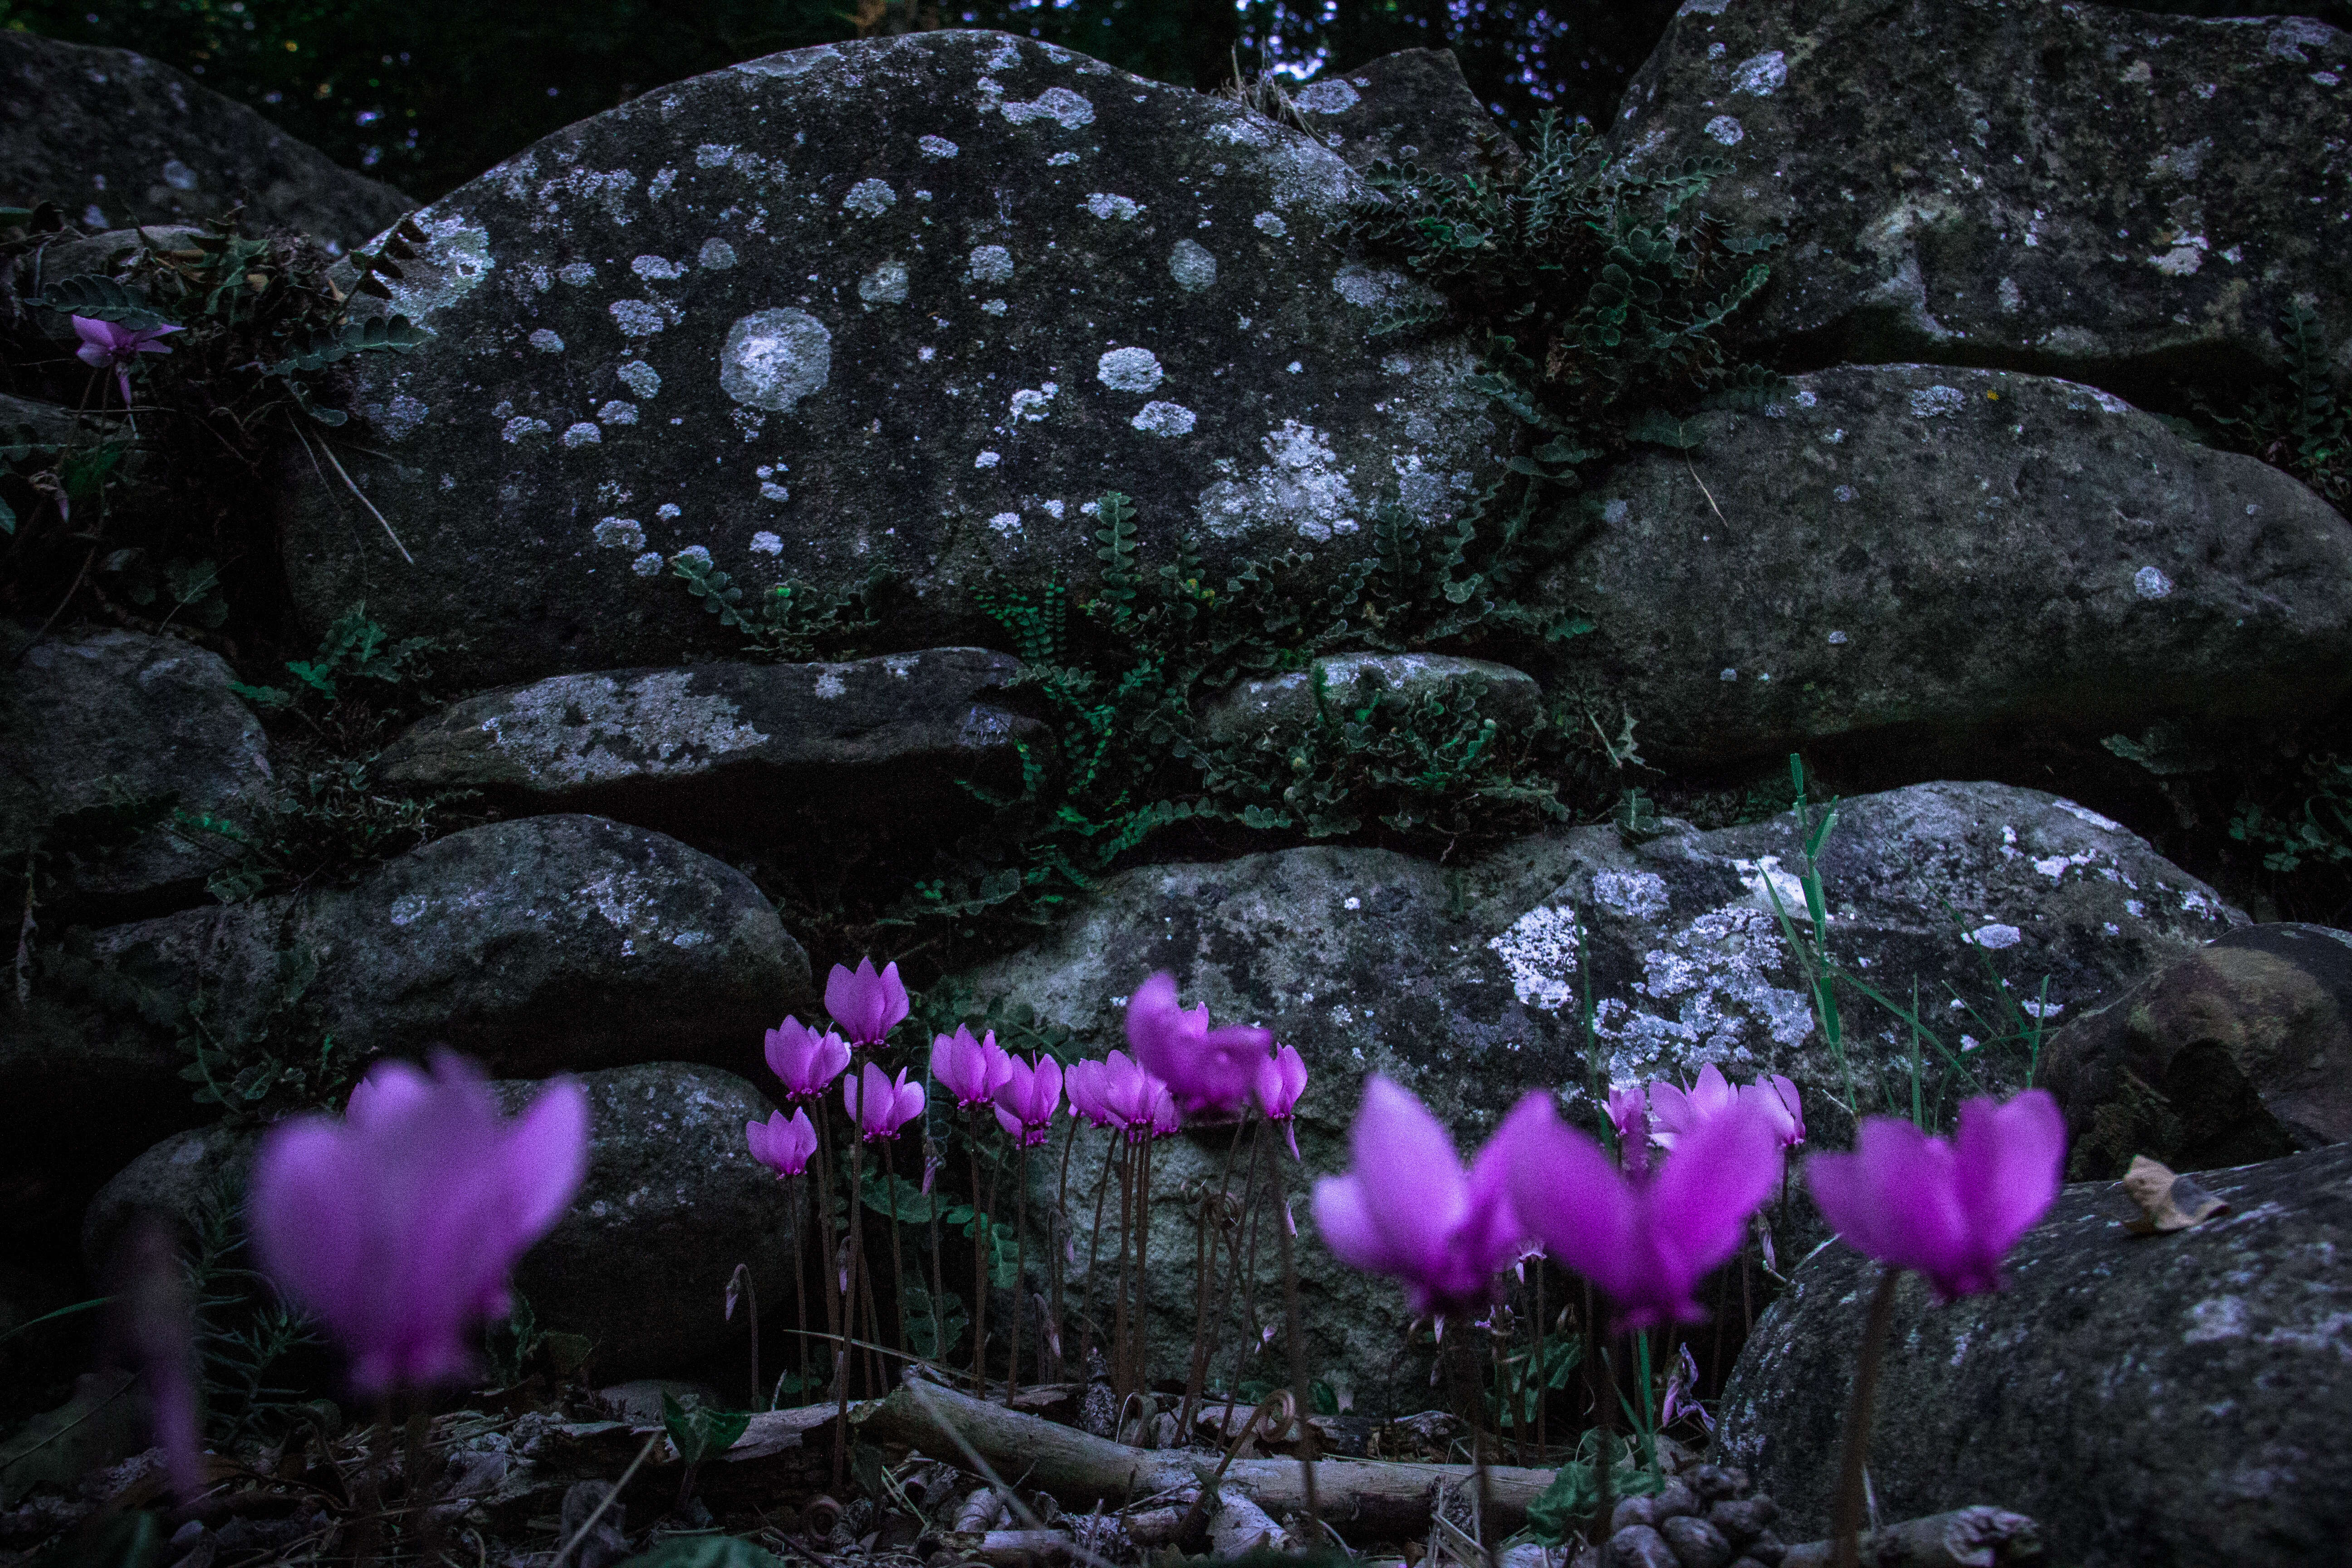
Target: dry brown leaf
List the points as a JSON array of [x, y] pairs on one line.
[[2167, 1202]]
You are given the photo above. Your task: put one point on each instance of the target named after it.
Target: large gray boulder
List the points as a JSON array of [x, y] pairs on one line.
[[727, 747], [551, 943], [2177, 1399], [1929, 552], [92, 719], [1465, 984], [908, 304], [672, 1202], [117, 139], [1411, 106], [2075, 189]]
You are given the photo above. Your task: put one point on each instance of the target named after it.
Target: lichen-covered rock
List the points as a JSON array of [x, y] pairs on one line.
[[1411, 106], [1351, 680], [1930, 550], [672, 1202], [2238, 1051], [96, 719], [2176, 1399], [722, 745], [908, 304], [2076, 189], [1466, 983], [117, 139]]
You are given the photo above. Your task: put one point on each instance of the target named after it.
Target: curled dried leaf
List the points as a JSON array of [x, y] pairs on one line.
[[2167, 1202]]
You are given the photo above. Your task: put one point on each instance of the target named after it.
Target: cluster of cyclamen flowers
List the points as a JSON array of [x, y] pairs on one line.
[[1647, 1227], [1180, 1065]]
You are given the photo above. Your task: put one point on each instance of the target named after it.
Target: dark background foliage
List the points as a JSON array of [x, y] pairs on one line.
[[429, 93]]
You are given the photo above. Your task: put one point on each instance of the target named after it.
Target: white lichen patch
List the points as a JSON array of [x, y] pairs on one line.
[[1301, 487], [766, 543], [870, 198], [1129, 370], [1539, 953], [657, 268], [1705, 995], [1725, 130], [1928, 402], [618, 413], [1158, 418], [583, 434], [637, 317], [1996, 935], [884, 284], [1270, 225], [592, 729], [1065, 108], [937, 147], [1007, 523], [1766, 882], [619, 533], [1761, 75], [1242, 131], [546, 341], [1032, 403], [1334, 97], [451, 264], [649, 565], [990, 264], [2183, 260], [716, 256], [520, 427], [1106, 206], [2150, 583], [640, 378], [986, 460], [772, 359], [1631, 895], [1191, 265]]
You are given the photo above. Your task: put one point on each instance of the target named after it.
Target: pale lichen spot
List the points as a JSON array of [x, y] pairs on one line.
[[1539, 953], [547, 341], [886, 284], [640, 377], [772, 359], [1061, 159], [715, 256], [1007, 523], [659, 268], [637, 317], [990, 264], [583, 434], [649, 565], [1129, 370], [1031, 403], [579, 274], [618, 413], [766, 543], [1271, 225], [1761, 75], [1724, 129], [870, 198], [1928, 402], [1106, 206], [620, 534], [938, 147], [1191, 265], [1334, 97], [2150, 583], [1164, 420], [1065, 108], [516, 429], [986, 460]]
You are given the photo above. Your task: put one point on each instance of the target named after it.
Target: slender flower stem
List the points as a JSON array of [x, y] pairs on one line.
[[1298, 1390], [799, 1269], [1141, 1345], [1604, 1462], [1208, 1228], [751, 1302], [979, 1264], [1253, 1232], [1542, 1372], [835, 1291], [858, 1203], [1020, 1275], [1060, 1240], [898, 1257], [1094, 1253], [938, 1282], [1119, 1352], [1478, 1457], [1845, 1520]]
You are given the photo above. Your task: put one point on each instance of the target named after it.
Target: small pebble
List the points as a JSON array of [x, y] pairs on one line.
[[1715, 1481], [1767, 1550], [1697, 1543], [1675, 1497], [1634, 1510], [1639, 1546], [1744, 1519]]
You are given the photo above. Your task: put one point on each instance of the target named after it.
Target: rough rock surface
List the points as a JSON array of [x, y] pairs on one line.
[[1411, 105], [672, 1202], [96, 718], [1352, 679], [2240, 1051], [909, 304], [2176, 1399], [1465, 984], [117, 139], [1918, 549], [2077, 189], [727, 742], [554, 942]]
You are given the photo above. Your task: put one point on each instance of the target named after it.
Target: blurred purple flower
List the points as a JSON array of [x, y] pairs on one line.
[[1951, 1210], [972, 1070], [879, 1105], [398, 1225], [1407, 1208], [1644, 1242], [1026, 1100], [1207, 1069], [1680, 1112], [805, 1060], [867, 1005], [782, 1146], [151, 1325], [1281, 1080], [108, 345], [1778, 1096]]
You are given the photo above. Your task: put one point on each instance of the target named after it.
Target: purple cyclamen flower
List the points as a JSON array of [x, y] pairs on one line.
[[972, 1070], [782, 1146], [398, 1225], [1682, 1393], [1644, 1242], [1680, 1112], [1407, 1208], [109, 345], [1778, 1097], [1281, 1080], [1084, 1081], [805, 1060], [1629, 1113], [867, 1005], [1951, 1210], [879, 1105], [1207, 1069], [1028, 1097]]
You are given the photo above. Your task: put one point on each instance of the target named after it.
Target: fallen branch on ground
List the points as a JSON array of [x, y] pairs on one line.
[[1978, 1537], [1372, 1500]]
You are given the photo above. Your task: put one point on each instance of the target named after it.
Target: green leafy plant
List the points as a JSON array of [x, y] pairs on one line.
[[2302, 424], [247, 1337], [788, 620], [282, 1060], [1561, 1510], [2313, 828]]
